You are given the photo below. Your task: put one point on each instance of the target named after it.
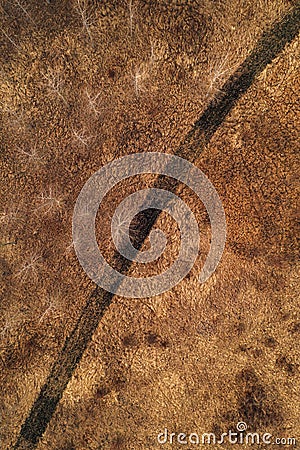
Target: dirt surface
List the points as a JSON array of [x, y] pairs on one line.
[[83, 83]]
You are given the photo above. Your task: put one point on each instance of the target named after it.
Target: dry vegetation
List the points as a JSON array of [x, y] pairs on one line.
[[82, 83]]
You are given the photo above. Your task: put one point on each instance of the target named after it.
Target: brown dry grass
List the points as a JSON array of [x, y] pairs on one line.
[[85, 82]]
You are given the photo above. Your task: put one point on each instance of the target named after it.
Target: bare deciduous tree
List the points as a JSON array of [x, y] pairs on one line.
[[86, 18]]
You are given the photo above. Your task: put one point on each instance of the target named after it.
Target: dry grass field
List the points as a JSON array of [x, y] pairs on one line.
[[84, 82]]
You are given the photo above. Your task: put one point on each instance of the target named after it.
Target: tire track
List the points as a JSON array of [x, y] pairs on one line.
[[269, 46]]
